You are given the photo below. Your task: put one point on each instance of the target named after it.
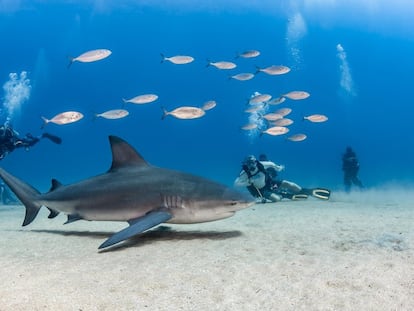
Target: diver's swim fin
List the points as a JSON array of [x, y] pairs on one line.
[[320, 193], [299, 196], [291, 196], [53, 138]]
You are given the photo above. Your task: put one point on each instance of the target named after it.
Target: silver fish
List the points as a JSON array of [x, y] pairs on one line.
[[297, 137], [91, 56], [185, 112], [242, 76], [317, 118], [113, 114], [284, 111], [142, 99], [249, 54], [222, 65], [276, 130], [178, 59], [208, 105], [272, 116], [297, 95], [274, 70], [63, 118], [283, 122], [259, 98], [276, 101]]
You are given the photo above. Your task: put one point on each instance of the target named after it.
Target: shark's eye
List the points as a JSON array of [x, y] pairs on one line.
[[233, 203]]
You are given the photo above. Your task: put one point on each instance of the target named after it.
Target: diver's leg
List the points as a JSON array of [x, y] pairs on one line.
[[357, 182], [270, 195], [290, 186], [347, 182]]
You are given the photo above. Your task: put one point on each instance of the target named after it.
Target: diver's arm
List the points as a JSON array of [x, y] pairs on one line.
[[242, 180], [277, 167]]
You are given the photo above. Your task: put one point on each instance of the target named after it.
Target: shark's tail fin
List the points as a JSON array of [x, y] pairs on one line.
[[26, 194]]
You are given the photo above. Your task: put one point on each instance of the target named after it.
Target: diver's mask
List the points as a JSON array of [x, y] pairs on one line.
[[250, 163]]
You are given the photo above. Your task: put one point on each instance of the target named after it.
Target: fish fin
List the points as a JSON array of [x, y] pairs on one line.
[[72, 218], [258, 70], [162, 57], [164, 113], [52, 213], [55, 184], [124, 155], [137, 226], [45, 122], [25, 193], [71, 60]]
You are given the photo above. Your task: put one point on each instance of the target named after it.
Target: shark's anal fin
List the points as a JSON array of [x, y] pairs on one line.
[[72, 218], [52, 213], [137, 226]]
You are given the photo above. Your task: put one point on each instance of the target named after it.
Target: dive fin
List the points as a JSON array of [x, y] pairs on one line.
[[299, 196], [321, 193], [137, 226], [53, 138]]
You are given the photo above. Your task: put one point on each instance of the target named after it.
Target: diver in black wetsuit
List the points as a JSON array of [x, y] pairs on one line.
[[350, 166], [260, 179], [10, 140]]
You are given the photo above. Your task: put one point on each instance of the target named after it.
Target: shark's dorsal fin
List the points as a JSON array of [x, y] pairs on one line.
[[55, 184], [124, 155]]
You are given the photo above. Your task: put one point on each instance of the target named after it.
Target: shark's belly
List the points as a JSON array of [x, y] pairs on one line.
[[105, 206]]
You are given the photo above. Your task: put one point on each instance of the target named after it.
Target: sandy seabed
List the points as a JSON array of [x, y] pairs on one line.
[[350, 253]]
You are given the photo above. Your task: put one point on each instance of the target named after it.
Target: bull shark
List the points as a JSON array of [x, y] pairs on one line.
[[134, 191]]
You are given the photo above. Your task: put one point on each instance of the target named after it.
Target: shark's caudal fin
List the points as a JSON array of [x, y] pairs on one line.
[[26, 194]]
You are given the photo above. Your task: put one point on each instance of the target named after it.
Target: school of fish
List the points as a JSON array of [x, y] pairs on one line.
[[277, 123]]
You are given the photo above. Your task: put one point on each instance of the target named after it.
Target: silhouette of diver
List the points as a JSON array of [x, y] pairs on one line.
[[10, 140]]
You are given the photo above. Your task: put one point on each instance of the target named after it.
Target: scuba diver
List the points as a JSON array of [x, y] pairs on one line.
[[260, 179], [350, 166], [10, 140]]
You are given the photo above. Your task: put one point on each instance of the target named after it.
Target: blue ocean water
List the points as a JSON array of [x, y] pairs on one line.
[[355, 59]]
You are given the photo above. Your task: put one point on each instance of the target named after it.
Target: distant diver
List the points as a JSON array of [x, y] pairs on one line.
[[350, 166], [10, 140]]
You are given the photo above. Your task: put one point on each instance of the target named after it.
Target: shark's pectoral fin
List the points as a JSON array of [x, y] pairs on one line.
[[137, 226]]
